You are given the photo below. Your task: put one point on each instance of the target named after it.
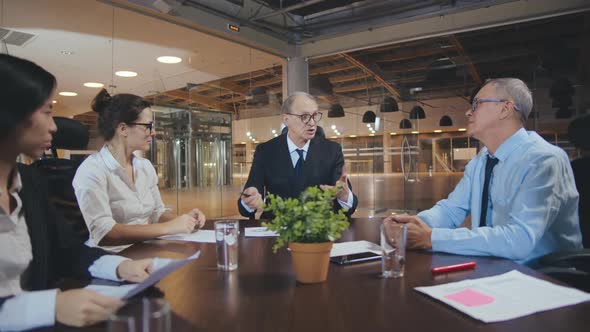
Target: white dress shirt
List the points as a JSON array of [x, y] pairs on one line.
[[27, 310], [107, 196]]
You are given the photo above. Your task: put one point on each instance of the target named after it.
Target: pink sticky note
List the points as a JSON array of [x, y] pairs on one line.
[[470, 298]]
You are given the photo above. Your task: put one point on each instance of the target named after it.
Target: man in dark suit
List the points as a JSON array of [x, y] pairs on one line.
[[298, 159]]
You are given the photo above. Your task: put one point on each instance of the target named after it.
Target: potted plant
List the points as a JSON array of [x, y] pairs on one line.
[[309, 225]]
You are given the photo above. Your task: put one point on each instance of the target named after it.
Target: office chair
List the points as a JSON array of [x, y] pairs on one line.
[[59, 172], [573, 267]]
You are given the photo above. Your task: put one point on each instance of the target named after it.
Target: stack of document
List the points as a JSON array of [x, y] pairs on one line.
[[503, 297]]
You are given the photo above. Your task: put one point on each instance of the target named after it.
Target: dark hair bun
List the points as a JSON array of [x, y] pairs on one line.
[[102, 101]]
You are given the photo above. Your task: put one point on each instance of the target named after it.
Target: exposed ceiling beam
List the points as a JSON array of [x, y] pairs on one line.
[[365, 67], [470, 66], [202, 100]]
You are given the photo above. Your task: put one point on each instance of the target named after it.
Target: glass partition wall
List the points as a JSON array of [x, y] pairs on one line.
[[398, 111]]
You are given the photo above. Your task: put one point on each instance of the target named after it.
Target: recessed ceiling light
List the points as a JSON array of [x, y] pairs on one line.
[[68, 94], [438, 131], [54, 101], [462, 129], [169, 59], [93, 85], [126, 73]]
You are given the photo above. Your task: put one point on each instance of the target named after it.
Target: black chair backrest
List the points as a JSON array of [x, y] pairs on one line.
[[70, 135]]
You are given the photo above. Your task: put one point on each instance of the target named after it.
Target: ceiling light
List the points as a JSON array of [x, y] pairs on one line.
[[54, 101], [169, 59], [336, 111], [392, 133], [93, 85], [462, 129], [333, 127], [369, 117], [126, 73], [438, 131], [68, 94], [371, 134], [445, 121], [248, 134], [352, 136], [242, 142], [334, 137], [388, 105], [273, 131], [368, 125], [415, 132], [276, 135]]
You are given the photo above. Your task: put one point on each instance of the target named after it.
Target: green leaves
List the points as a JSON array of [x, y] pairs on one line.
[[309, 219]]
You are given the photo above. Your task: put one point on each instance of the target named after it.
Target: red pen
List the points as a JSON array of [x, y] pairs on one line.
[[456, 267]]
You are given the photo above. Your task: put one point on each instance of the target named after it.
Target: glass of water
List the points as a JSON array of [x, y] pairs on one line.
[[226, 236], [139, 315], [393, 245]]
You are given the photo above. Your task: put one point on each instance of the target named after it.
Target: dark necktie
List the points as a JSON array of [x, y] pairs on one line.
[[490, 163], [299, 165]]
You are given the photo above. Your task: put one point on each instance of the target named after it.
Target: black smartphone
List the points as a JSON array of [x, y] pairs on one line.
[[355, 258]]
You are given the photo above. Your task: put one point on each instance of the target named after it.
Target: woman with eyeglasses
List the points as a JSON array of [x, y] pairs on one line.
[[37, 247], [118, 191]]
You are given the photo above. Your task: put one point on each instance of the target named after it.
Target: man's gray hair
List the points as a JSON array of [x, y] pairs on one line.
[[288, 103], [517, 91]]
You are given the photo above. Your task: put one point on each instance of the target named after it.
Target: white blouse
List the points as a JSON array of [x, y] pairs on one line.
[[107, 196], [15, 244]]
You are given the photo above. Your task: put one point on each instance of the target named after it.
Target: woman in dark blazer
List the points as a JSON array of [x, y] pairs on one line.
[[36, 247]]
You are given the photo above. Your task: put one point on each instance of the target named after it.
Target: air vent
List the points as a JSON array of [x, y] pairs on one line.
[[16, 38]]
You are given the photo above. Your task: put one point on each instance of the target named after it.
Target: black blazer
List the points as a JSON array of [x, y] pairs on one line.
[[272, 170], [57, 251]]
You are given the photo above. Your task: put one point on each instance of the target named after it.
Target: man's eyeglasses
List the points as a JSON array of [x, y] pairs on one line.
[[477, 101], [305, 118], [148, 126]]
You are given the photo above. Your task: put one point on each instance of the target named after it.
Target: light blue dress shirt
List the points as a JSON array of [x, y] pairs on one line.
[[533, 206]]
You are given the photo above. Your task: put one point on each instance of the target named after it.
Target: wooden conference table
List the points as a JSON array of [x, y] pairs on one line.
[[262, 295]]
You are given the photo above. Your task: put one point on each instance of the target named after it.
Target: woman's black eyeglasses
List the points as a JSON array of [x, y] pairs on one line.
[[148, 126]]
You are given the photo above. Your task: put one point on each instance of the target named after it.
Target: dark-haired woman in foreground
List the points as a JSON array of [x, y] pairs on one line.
[[118, 191], [36, 247]]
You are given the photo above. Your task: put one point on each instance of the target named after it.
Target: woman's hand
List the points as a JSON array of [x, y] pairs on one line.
[[181, 224], [199, 216], [135, 270], [82, 307]]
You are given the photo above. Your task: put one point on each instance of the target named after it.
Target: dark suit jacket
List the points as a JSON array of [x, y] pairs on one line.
[[272, 170], [57, 251]]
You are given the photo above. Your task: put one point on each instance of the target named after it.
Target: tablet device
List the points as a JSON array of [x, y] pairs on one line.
[[355, 258]]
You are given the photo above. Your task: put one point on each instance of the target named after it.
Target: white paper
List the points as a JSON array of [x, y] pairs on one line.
[[259, 232], [203, 236], [162, 267], [509, 295], [354, 247]]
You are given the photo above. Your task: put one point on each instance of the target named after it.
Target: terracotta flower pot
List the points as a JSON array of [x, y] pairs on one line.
[[311, 261]]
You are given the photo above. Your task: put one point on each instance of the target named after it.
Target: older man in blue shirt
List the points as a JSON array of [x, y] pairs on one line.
[[519, 189]]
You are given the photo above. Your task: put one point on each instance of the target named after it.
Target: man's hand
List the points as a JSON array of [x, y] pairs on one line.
[[199, 216], [419, 234], [135, 270], [252, 198], [342, 185], [82, 307]]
